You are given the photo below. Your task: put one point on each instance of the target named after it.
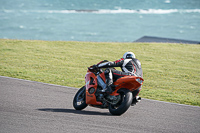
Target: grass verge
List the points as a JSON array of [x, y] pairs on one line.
[[171, 71]]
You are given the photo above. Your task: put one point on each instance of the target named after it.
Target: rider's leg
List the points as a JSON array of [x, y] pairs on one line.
[[110, 75], [118, 74], [109, 80]]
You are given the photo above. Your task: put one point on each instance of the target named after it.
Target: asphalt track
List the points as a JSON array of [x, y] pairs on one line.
[[33, 107]]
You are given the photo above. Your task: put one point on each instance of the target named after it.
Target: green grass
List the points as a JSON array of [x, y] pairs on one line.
[[171, 71]]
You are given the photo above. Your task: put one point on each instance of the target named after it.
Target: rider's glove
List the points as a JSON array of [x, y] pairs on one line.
[[95, 66]]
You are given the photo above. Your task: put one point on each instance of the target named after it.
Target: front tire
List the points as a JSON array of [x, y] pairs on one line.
[[79, 102], [123, 105]]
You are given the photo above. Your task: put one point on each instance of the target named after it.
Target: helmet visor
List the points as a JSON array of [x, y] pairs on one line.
[[129, 56]]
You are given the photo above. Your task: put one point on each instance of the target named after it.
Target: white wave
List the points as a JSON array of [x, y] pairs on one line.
[[107, 11], [192, 10], [158, 11], [167, 1], [149, 11]]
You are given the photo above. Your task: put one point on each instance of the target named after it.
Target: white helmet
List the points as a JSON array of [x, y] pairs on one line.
[[129, 55]]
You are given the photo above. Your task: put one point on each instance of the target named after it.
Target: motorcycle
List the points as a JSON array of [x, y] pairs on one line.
[[125, 91]]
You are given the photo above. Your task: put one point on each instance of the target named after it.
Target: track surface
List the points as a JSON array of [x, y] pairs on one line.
[[32, 107]]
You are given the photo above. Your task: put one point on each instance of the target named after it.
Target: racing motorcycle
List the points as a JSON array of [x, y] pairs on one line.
[[118, 102]]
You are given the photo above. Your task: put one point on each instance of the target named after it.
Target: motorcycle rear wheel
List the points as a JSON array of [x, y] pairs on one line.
[[123, 105], [79, 102]]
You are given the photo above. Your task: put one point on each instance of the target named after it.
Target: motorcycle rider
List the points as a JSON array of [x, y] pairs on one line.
[[129, 66]]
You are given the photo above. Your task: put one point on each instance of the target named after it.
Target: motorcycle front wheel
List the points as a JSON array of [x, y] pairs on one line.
[[79, 102], [123, 105]]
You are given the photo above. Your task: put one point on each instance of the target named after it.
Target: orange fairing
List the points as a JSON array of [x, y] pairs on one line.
[[91, 82], [129, 82]]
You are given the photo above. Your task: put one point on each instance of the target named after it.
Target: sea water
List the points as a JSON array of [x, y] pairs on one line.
[[99, 20]]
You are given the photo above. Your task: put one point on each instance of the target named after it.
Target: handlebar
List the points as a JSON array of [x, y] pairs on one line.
[[94, 69]]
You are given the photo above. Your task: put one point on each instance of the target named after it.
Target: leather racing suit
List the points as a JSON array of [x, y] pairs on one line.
[[128, 66]]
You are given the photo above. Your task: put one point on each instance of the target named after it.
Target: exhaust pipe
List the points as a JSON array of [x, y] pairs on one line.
[[135, 100], [138, 99]]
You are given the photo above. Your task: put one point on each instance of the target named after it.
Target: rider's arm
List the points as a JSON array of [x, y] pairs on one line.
[[117, 63]]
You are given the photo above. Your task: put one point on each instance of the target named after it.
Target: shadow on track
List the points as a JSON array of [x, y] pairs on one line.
[[83, 112]]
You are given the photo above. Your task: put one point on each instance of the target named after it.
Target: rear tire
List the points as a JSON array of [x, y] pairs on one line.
[[123, 105], [79, 102]]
